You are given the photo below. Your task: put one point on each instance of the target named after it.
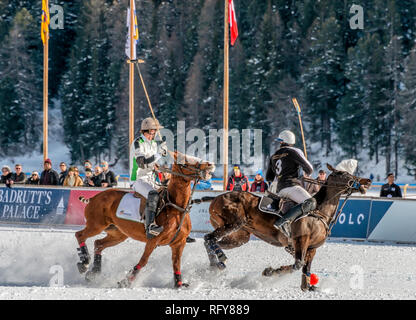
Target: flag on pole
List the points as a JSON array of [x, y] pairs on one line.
[[232, 21], [135, 32], [45, 22]]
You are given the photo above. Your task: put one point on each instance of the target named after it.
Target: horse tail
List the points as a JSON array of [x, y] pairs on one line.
[[84, 200], [203, 199]]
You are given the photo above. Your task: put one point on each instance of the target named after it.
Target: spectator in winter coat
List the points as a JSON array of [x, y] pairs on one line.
[[19, 176], [109, 176], [259, 185], [63, 173], [238, 181], [88, 180], [98, 176], [313, 188], [390, 189], [204, 185], [34, 179], [6, 175], [49, 177], [73, 179]]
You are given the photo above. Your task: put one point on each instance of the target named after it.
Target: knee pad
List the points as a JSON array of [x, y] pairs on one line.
[[309, 205]]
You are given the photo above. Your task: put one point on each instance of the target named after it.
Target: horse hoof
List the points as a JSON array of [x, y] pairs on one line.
[[125, 283], [222, 257], [268, 272], [82, 268], [313, 288], [181, 285], [91, 276], [221, 265]]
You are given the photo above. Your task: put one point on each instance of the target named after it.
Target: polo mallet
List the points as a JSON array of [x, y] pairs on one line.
[[297, 107]]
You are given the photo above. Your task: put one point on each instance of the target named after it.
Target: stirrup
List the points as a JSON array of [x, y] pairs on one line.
[[284, 227], [153, 230]]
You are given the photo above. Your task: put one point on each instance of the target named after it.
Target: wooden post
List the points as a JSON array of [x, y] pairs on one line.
[[131, 76], [225, 107], [45, 92]]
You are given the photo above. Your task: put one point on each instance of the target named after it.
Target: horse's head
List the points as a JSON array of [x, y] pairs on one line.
[[346, 181], [191, 168]]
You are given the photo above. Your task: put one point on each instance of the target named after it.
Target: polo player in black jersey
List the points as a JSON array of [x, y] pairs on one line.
[[285, 165]]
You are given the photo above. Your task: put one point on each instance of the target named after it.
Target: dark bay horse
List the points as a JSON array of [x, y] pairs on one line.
[[100, 215], [235, 216]]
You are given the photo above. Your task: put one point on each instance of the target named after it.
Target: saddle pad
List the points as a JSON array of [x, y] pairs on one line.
[[129, 208], [264, 203]]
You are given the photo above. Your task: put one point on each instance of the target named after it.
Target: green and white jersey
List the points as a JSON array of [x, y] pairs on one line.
[[145, 148]]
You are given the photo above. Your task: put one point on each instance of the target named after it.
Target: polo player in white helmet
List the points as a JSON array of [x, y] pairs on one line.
[[144, 153], [285, 165]]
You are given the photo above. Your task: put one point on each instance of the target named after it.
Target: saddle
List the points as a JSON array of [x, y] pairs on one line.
[[281, 205]]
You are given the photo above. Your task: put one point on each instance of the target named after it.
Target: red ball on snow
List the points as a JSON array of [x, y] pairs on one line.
[[313, 279]]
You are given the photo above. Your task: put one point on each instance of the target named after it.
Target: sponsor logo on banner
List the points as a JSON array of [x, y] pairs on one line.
[[353, 221], [30, 205]]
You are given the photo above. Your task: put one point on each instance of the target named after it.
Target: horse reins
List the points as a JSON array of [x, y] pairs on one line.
[[196, 176], [352, 184]]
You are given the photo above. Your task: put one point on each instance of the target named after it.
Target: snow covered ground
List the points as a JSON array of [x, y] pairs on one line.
[[32, 261]]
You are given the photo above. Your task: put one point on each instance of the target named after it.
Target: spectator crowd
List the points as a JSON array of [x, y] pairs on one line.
[[99, 176]]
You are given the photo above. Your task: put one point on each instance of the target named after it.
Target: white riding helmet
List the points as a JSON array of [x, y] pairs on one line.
[[287, 136], [150, 124]]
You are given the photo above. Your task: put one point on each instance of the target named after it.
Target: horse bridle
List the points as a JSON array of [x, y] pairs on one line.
[[196, 176], [352, 184]]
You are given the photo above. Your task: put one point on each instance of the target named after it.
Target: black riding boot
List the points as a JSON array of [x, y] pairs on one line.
[[152, 229], [302, 208]]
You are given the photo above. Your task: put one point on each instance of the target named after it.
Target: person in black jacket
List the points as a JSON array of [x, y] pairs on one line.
[[390, 189], [98, 177], [6, 176], [63, 173], [285, 166], [49, 176], [109, 176], [34, 179], [237, 180], [19, 176]]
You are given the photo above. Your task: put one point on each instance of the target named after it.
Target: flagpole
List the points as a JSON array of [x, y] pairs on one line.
[[226, 92], [45, 91], [131, 77]]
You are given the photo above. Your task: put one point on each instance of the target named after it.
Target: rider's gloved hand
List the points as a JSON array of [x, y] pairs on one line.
[[163, 149]]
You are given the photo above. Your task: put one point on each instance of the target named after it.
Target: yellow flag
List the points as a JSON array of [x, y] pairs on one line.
[[135, 32], [44, 31]]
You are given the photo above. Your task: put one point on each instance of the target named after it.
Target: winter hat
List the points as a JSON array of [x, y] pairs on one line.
[[260, 172], [6, 167], [48, 161], [347, 165]]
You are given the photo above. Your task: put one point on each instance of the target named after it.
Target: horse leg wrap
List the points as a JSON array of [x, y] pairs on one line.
[[215, 248], [211, 254], [84, 258], [96, 268], [178, 280]]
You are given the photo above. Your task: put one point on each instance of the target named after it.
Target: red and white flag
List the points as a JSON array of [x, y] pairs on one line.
[[233, 22]]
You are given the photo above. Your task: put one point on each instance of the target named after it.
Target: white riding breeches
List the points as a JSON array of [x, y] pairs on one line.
[[295, 193], [142, 187]]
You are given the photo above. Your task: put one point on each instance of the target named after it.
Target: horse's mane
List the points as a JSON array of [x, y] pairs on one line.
[[321, 195]]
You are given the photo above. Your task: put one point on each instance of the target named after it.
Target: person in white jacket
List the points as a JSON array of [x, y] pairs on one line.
[[144, 154]]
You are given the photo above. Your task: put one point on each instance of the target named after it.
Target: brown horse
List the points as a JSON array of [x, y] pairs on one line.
[[235, 216], [100, 215]]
